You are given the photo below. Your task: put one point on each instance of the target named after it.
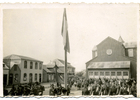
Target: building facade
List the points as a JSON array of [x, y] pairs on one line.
[[113, 59], [56, 67], [23, 69]]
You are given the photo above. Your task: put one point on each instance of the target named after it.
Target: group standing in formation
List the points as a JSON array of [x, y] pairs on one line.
[[90, 87], [58, 90], [107, 86], [25, 90]]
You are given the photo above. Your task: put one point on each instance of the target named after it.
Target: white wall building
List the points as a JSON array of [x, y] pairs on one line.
[[23, 69]]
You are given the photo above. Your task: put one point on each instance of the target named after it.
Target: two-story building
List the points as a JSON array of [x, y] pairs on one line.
[[113, 59], [49, 71], [23, 69]]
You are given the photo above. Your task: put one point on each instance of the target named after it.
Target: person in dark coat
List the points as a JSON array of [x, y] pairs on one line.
[[94, 87], [85, 90], [113, 89], [19, 90], [5, 92], [68, 90], [133, 90], [36, 89], [64, 91], [13, 91], [123, 89], [51, 91]]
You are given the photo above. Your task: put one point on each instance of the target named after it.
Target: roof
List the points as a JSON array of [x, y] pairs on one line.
[[113, 64], [50, 65], [20, 57], [59, 63], [47, 70], [63, 62], [60, 71], [5, 67], [107, 39], [94, 48], [121, 40], [130, 44]]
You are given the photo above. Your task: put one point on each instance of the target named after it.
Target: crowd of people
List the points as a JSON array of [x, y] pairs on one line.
[[107, 86], [58, 90], [90, 87], [25, 89]]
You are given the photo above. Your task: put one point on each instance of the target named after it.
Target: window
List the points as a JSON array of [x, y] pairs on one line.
[[90, 73], [96, 73], [40, 66], [24, 77], [16, 77], [112, 73], [101, 73], [52, 77], [107, 73], [49, 77], [15, 67], [130, 52], [31, 65], [95, 53], [25, 64], [125, 73], [30, 77], [119, 73], [35, 77], [61, 77], [36, 65]]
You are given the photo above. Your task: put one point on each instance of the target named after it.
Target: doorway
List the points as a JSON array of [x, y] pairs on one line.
[[11, 79], [39, 77], [5, 79]]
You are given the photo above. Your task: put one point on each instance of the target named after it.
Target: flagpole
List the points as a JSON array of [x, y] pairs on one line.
[[65, 73]]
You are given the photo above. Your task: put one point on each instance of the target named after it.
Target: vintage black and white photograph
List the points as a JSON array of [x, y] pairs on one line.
[[70, 50]]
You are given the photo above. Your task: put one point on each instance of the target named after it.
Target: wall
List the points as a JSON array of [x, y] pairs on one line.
[[45, 76], [108, 70], [28, 71], [117, 50]]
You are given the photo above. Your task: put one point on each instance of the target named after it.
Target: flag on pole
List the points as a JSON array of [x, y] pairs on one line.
[[64, 32]]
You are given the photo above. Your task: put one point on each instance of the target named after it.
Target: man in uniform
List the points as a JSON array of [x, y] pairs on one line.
[[133, 89], [19, 90], [51, 91]]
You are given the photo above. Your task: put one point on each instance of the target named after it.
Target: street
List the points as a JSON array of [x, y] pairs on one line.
[[74, 90]]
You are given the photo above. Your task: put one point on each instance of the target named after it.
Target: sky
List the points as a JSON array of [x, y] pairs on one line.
[[36, 32]]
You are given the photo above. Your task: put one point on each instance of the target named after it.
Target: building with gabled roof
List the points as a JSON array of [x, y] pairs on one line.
[[113, 59], [49, 74], [23, 69]]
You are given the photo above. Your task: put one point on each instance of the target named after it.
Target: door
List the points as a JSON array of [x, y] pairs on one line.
[[5, 79], [11, 79], [39, 77], [30, 77]]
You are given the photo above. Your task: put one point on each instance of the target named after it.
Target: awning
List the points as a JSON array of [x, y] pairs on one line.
[[114, 64]]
